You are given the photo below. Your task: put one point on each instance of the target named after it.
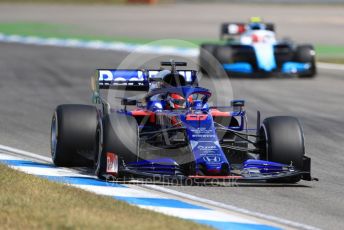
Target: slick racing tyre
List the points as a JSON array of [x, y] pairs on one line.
[[119, 136], [282, 141], [73, 135], [205, 57], [306, 54]]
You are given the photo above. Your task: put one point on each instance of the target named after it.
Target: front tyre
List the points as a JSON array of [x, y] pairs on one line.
[[282, 141], [306, 54], [73, 135]]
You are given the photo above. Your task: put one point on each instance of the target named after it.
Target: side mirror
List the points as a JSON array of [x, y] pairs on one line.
[[94, 83], [238, 105], [155, 105]]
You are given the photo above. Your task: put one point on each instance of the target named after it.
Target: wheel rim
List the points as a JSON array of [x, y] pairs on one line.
[[54, 135]]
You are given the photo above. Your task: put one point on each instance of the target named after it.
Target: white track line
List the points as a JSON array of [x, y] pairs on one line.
[[200, 214], [331, 66], [57, 172], [25, 153], [5, 157], [121, 192]]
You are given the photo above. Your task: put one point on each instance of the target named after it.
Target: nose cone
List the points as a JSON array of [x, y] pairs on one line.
[[265, 56]]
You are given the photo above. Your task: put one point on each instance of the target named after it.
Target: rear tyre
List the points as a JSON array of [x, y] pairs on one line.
[[119, 136], [205, 57], [283, 142], [306, 54], [73, 135]]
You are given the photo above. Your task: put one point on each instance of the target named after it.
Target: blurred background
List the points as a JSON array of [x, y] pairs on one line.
[[319, 22]]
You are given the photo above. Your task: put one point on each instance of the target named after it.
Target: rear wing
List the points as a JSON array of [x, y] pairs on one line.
[[230, 29], [134, 79]]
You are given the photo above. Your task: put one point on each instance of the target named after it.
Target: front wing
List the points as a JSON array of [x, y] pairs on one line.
[[288, 68], [129, 174]]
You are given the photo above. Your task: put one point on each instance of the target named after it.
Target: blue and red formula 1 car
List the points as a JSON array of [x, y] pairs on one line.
[[171, 132], [251, 49]]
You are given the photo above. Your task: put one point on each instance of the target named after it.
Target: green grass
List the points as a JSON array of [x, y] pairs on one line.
[[327, 53], [330, 53], [29, 202]]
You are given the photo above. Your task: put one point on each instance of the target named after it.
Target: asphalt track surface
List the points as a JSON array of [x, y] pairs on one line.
[[34, 80]]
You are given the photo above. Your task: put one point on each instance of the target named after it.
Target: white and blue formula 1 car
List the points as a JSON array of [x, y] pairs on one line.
[[251, 49]]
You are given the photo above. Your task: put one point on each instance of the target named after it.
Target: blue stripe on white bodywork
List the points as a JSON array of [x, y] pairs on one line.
[[295, 67], [135, 196], [239, 67], [265, 56]]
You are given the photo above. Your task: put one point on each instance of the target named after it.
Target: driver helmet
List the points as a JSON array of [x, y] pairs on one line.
[[176, 101], [256, 23], [257, 26]]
